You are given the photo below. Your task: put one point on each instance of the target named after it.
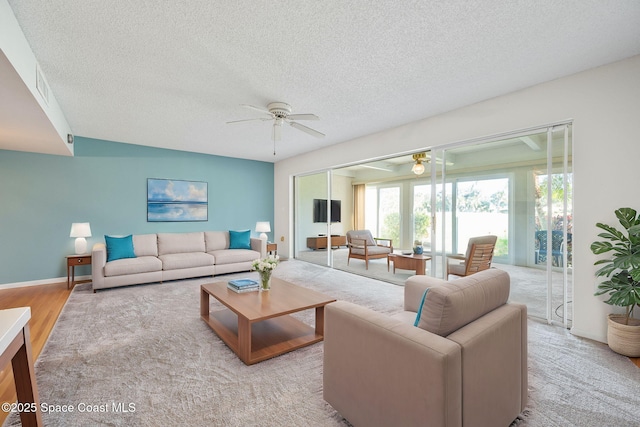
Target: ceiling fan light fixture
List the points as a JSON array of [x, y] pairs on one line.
[[418, 167]]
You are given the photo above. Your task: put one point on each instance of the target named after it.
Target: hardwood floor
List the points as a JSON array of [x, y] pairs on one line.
[[46, 302]]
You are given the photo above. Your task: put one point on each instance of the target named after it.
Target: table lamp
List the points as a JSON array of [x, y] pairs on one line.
[[263, 227], [80, 230]]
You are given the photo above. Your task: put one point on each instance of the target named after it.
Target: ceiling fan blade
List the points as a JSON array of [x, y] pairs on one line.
[[306, 129], [277, 132], [248, 120], [303, 117], [438, 160], [262, 110]]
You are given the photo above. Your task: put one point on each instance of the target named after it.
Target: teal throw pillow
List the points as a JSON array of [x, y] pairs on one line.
[[119, 247], [240, 239], [424, 297]]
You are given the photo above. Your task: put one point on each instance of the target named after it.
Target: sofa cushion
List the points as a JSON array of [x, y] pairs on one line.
[[145, 244], [216, 240], [454, 304], [180, 243], [143, 264], [119, 247], [232, 256], [240, 239], [185, 260]]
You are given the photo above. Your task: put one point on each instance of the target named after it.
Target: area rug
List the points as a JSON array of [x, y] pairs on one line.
[[141, 356], [530, 284]]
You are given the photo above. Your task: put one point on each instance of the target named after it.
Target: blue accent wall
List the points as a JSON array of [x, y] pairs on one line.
[[105, 184]]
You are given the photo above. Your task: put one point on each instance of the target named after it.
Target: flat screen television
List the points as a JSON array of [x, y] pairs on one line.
[[320, 210]]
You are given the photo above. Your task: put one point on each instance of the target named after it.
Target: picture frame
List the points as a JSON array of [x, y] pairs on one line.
[[173, 200]]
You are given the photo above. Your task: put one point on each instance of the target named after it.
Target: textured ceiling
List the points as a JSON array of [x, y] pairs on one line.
[[171, 74]]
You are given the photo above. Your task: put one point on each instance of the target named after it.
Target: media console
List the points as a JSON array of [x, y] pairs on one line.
[[320, 242]]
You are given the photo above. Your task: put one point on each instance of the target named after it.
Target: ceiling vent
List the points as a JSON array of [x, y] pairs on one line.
[[41, 85]]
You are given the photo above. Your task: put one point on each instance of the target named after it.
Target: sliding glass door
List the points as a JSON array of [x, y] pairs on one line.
[[517, 187], [482, 207], [311, 213], [323, 214], [382, 214], [554, 224]]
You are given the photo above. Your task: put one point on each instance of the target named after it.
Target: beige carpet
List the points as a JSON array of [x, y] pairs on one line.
[[529, 284], [147, 346]]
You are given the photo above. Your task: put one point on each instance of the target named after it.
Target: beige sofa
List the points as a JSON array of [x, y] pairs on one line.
[[464, 365], [169, 256]]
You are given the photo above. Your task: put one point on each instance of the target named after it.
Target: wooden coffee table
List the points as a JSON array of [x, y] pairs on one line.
[[257, 325], [408, 262]]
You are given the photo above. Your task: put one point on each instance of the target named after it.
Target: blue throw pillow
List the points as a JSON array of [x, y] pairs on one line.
[[424, 297], [119, 247], [240, 239]]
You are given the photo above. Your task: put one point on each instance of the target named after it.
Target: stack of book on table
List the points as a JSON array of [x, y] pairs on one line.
[[243, 285]]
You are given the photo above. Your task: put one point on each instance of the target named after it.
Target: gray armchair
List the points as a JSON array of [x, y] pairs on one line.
[[362, 245], [465, 364]]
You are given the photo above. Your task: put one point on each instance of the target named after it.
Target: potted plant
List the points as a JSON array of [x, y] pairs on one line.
[[622, 284]]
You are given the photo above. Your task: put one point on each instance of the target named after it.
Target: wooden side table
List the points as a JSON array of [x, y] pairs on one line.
[[15, 346], [272, 247], [72, 262]]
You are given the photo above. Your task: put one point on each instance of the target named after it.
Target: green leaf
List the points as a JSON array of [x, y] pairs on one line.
[[627, 217], [611, 230], [635, 230], [627, 261], [606, 270], [601, 247]]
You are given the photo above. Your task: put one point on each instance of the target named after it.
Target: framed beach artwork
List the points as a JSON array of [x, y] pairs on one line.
[[171, 200]]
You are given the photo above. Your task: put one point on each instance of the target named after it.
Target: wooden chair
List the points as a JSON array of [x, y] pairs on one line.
[[478, 257], [362, 245]]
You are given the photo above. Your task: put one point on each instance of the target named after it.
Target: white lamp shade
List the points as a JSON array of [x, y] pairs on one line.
[[80, 230], [263, 227]]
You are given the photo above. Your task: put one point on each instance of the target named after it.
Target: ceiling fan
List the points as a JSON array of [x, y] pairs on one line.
[[280, 112]]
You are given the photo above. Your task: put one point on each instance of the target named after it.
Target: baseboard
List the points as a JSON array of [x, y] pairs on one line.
[[42, 282], [589, 335]]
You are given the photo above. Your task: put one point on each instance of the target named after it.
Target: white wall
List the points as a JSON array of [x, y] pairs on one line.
[[604, 104], [16, 48]]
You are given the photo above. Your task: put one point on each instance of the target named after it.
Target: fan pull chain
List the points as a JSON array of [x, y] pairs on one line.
[[274, 147]]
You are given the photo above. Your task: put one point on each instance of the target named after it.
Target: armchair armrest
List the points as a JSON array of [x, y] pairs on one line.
[[381, 371], [456, 256], [98, 261], [380, 239]]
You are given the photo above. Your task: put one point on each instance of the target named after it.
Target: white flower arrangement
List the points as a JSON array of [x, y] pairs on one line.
[[265, 265]]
